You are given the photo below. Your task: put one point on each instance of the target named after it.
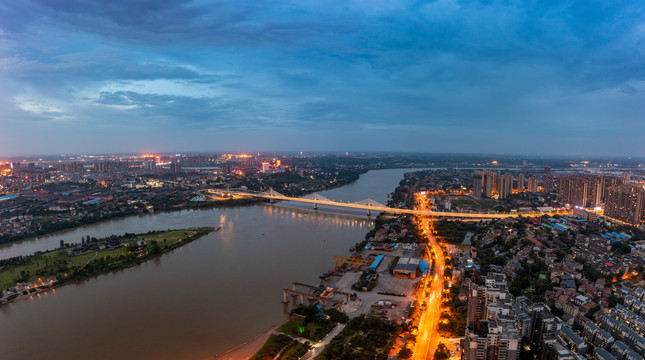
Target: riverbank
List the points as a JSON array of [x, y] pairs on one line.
[[76, 262], [249, 348], [63, 226]]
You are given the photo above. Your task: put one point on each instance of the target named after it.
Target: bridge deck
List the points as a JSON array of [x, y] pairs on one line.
[[381, 208]]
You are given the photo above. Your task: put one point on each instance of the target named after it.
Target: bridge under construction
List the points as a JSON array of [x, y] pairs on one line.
[[367, 204]]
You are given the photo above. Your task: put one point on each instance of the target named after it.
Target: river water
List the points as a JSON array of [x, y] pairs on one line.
[[197, 301]]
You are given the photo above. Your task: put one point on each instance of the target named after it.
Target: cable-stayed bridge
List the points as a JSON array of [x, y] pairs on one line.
[[368, 204]]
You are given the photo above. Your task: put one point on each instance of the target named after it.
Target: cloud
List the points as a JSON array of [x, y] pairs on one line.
[[487, 71]]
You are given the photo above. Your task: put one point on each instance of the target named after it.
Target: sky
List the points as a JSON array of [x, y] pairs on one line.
[[503, 77]]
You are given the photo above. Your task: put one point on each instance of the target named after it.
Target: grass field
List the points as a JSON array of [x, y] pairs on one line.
[[58, 263]]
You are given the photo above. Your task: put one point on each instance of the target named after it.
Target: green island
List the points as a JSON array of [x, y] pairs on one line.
[[23, 276]]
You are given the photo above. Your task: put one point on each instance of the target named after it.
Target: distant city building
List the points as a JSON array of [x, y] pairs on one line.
[[488, 183], [74, 167], [520, 182], [150, 164], [477, 183], [504, 185], [582, 191], [626, 177], [548, 180], [585, 191], [533, 184], [107, 166], [175, 166], [626, 203]]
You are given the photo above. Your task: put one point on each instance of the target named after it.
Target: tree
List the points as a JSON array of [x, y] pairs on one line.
[[615, 300], [62, 244], [442, 352], [405, 354]]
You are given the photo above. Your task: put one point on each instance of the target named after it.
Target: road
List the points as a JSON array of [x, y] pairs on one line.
[[428, 335]]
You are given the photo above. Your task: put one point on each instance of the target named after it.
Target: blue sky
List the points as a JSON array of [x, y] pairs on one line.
[[511, 77]]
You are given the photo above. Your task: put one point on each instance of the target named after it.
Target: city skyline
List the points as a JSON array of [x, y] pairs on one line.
[[438, 77]]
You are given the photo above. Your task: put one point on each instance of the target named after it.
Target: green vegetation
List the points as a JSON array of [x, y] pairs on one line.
[[42, 224], [453, 232], [291, 183], [405, 353], [485, 204], [312, 330], [442, 352], [272, 347], [364, 337], [619, 247], [67, 267], [532, 280], [367, 281], [453, 322], [393, 264], [615, 300], [315, 323], [295, 350]]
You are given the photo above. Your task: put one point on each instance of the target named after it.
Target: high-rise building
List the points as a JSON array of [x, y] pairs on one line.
[[75, 167], [520, 182], [533, 184], [477, 183], [626, 203], [585, 191], [149, 164], [175, 166], [227, 168], [504, 185], [582, 191], [476, 303], [626, 177], [492, 331], [266, 167], [548, 180], [488, 183]]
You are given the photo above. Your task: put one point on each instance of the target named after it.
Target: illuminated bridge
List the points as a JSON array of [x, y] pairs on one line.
[[368, 204]]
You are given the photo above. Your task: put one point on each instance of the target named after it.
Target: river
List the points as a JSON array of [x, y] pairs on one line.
[[197, 301]]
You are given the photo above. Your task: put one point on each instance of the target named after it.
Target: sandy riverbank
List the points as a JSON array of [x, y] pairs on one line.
[[249, 348]]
